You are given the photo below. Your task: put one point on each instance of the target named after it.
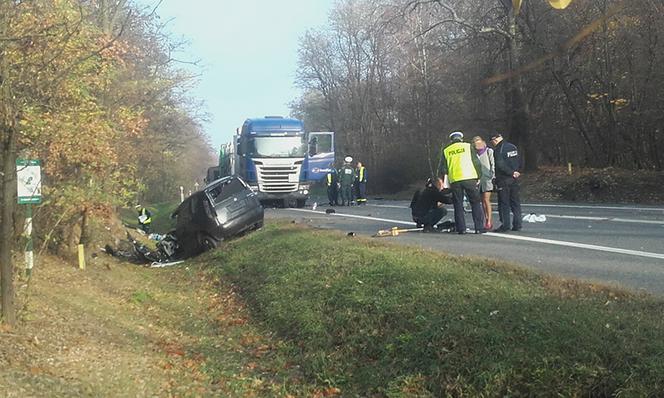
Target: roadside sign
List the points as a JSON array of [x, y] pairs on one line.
[[28, 173]]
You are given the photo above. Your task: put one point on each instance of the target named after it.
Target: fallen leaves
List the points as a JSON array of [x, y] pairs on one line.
[[327, 392]]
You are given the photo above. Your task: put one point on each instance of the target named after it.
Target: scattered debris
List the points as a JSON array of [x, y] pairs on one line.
[[446, 226], [163, 265], [395, 231], [155, 237], [330, 211], [533, 218], [137, 253], [351, 234]]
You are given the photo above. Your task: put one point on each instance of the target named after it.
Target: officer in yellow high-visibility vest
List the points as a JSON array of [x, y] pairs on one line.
[[361, 184], [144, 218], [462, 167]]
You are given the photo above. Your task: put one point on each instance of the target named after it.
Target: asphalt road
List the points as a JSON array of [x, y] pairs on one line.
[[613, 245]]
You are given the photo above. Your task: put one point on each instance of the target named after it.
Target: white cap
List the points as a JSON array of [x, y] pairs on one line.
[[348, 159], [456, 134]]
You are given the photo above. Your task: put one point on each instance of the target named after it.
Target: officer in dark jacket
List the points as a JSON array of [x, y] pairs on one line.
[[508, 164], [332, 182], [427, 205]]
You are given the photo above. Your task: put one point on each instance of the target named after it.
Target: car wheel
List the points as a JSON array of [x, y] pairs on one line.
[[207, 243]]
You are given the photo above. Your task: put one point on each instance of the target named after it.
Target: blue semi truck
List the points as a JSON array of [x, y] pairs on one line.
[[277, 158]]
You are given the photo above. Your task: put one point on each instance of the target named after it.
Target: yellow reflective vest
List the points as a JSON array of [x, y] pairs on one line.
[[362, 175], [144, 216], [459, 158]]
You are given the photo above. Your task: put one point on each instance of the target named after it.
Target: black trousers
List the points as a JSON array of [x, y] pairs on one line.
[[472, 192], [332, 194], [432, 217], [509, 199], [361, 191]]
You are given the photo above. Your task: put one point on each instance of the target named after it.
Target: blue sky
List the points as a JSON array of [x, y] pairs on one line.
[[248, 50]]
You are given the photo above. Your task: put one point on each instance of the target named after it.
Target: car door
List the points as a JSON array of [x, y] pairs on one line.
[[183, 222], [320, 155]]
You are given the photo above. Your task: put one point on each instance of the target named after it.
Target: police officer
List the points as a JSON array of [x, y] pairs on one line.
[[462, 167], [144, 218], [361, 184], [347, 180], [332, 182], [508, 164]]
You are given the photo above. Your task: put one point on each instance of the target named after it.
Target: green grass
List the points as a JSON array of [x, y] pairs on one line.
[[377, 319], [128, 331], [161, 212], [141, 296]]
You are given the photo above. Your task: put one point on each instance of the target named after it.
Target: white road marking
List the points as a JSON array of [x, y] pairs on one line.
[[589, 218], [605, 249], [586, 218], [556, 206], [593, 207], [389, 206]]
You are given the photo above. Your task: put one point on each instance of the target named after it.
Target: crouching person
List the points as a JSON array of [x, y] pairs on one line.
[[428, 205]]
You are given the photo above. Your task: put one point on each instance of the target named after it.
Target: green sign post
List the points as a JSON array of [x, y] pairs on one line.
[[28, 173]]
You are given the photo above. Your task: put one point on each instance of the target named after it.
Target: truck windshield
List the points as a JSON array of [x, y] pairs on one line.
[[277, 147]]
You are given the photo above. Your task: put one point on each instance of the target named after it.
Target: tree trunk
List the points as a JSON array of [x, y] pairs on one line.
[[578, 118], [519, 112], [7, 182], [8, 189]]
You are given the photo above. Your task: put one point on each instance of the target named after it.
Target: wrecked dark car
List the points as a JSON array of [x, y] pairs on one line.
[[224, 208]]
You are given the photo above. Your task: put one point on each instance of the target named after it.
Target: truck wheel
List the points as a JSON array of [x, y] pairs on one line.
[[301, 203], [207, 243]]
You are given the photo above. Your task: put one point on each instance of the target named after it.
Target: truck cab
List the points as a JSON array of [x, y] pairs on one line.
[[279, 160]]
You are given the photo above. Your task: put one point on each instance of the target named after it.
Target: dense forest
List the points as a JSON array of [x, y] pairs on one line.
[[93, 90], [580, 84]]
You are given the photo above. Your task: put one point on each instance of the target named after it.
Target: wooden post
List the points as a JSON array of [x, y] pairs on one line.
[[81, 256]]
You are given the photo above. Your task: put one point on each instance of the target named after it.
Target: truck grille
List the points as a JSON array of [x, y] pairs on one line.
[[278, 178]]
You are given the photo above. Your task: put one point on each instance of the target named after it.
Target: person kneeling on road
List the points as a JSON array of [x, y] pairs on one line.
[[427, 206]]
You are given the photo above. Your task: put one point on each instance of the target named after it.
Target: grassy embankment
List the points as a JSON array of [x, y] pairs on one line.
[[320, 314], [371, 318], [120, 330]]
